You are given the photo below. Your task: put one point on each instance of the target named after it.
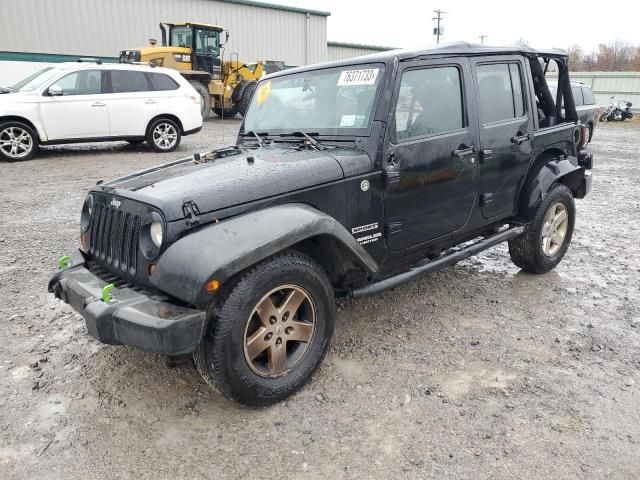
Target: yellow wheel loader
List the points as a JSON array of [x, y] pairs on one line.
[[195, 49]]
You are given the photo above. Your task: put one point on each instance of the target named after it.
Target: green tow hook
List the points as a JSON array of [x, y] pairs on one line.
[[64, 262], [106, 293]]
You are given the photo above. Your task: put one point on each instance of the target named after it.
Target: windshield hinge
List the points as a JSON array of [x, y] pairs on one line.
[[191, 210]]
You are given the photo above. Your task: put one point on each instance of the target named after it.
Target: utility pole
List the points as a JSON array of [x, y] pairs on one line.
[[437, 31], [482, 37]]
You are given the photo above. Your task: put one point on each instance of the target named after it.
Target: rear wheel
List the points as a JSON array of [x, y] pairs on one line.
[[270, 332], [547, 236], [163, 135], [18, 141]]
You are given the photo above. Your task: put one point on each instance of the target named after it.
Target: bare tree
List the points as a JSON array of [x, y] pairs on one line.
[[521, 42], [575, 57]]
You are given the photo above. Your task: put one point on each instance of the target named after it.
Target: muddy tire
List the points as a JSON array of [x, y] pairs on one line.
[[18, 141], [270, 331], [245, 100], [547, 236], [205, 98], [226, 112]]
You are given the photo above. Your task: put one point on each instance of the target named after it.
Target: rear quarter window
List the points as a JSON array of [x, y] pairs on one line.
[[161, 81], [577, 96], [589, 99]]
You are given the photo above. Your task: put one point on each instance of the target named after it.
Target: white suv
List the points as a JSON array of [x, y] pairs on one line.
[[83, 102]]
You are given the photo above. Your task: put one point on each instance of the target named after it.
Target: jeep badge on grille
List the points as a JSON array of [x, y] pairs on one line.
[[115, 203]]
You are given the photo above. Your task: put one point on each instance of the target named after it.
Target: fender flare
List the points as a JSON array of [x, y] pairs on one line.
[[541, 179], [223, 250]]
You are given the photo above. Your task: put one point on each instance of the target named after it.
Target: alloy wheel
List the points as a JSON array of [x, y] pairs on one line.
[[16, 142], [279, 331], [165, 135], [554, 229]]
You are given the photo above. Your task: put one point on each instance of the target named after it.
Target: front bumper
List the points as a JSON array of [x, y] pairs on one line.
[[144, 320]]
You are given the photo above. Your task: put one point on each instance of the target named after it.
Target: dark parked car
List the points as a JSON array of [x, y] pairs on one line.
[[348, 178], [588, 110]]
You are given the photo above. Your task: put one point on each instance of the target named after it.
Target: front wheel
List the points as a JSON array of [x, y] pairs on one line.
[[164, 135], [18, 141], [603, 117], [270, 332], [547, 236]]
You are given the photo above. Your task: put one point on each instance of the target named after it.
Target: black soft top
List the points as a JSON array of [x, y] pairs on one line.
[[441, 50]]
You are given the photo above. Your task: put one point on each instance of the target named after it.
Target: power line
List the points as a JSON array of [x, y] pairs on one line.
[[437, 31], [482, 37]]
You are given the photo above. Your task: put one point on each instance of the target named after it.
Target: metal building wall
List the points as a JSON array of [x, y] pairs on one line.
[[622, 85], [104, 27], [340, 51]]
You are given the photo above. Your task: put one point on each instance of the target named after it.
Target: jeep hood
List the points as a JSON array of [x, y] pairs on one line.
[[241, 178]]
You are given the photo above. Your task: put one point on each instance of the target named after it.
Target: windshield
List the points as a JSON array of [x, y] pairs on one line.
[[34, 80], [181, 37], [337, 99]]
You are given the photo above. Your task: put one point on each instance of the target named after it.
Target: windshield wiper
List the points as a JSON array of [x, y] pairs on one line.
[[256, 135], [309, 140]]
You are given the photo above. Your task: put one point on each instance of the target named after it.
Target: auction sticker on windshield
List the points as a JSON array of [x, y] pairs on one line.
[[263, 92], [364, 76]]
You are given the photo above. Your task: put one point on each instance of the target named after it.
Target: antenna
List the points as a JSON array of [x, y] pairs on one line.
[[438, 30]]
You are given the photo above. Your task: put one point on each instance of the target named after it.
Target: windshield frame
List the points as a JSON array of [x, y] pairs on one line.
[[47, 73], [328, 132]]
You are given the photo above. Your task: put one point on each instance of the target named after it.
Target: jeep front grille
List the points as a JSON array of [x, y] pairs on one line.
[[114, 238]]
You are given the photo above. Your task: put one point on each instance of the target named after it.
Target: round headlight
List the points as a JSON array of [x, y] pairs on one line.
[[155, 230], [87, 211]]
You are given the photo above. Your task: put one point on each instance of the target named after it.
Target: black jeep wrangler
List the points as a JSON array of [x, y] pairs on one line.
[[347, 178]]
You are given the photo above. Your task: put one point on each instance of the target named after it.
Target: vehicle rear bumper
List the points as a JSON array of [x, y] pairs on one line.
[[144, 320]]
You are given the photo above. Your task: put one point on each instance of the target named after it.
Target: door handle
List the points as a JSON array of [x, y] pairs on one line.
[[464, 151], [150, 102], [520, 139], [98, 104]]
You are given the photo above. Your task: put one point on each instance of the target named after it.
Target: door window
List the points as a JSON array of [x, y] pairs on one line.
[[84, 82], [123, 81], [577, 96], [429, 102], [500, 92], [207, 42]]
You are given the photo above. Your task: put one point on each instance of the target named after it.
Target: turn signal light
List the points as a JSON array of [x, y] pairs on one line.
[[152, 269], [84, 241], [212, 285]]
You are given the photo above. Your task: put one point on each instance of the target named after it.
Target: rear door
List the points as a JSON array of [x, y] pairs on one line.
[[132, 102], [431, 165], [506, 131], [80, 112]]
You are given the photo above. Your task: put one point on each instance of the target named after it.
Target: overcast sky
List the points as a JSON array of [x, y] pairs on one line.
[[543, 23]]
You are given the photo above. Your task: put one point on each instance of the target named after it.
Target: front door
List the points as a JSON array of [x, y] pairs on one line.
[[80, 112], [432, 162], [506, 131]]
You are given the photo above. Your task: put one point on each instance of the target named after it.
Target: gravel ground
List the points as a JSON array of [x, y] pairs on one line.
[[479, 371]]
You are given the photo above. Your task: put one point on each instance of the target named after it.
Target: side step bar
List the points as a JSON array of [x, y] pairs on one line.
[[439, 264]]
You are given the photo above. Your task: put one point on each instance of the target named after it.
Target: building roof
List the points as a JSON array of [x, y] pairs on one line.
[[360, 46], [252, 3]]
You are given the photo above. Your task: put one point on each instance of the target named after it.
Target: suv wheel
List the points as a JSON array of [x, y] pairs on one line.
[[270, 332], [546, 238], [164, 135], [18, 141]]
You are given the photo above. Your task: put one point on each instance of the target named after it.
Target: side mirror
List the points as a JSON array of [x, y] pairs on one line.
[[226, 37], [55, 91]]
